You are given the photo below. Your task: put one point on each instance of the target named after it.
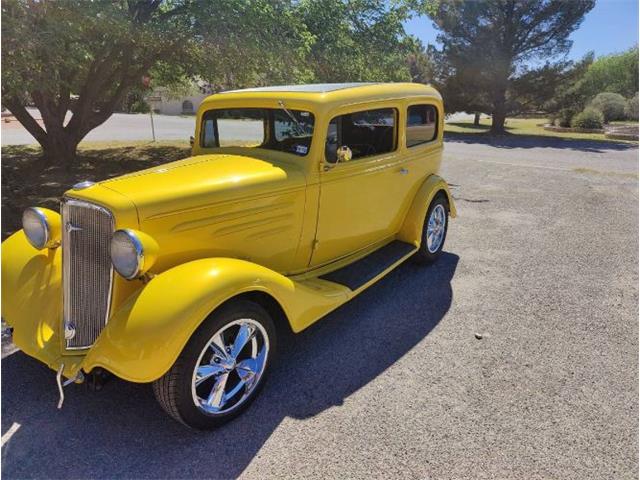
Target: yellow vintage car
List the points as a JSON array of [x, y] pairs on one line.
[[295, 199]]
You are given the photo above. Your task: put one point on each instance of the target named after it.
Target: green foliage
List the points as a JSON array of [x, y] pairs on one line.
[[611, 105], [590, 118], [96, 52], [568, 96], [251, 43], [617, 73], [486, 45], [631, 108], [563, 117], [356, 40], [420, 62]]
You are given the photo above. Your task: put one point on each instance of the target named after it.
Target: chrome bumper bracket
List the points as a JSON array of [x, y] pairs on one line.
[[61, 384]]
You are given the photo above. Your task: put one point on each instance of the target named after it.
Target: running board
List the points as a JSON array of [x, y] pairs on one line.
[[362, 271]]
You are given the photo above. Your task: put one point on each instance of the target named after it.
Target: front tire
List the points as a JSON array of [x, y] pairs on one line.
[[221, 369], [434, 230]]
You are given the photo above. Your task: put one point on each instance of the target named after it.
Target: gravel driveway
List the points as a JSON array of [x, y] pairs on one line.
[[542, 264]]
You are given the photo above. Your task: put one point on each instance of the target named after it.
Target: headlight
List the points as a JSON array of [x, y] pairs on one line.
[[132, 253], [41, 227]]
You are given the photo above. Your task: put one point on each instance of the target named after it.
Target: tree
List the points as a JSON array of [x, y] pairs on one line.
[[356, 40], [246, 43], [83, 57], [77, 60], [569, 98], [489, 43], [616, 73]]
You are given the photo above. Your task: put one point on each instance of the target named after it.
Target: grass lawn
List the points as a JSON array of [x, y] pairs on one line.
[[521, 126], [27, 181]]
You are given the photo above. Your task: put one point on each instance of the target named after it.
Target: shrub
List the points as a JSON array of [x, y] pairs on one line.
[[591, 118], [139, 106], [611, 105], [631, 109], [563, 117]]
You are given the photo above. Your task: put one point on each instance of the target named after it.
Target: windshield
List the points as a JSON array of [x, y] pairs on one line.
[[270, 128]]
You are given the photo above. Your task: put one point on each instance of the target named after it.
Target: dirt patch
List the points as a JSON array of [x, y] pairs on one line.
[[26, 181]]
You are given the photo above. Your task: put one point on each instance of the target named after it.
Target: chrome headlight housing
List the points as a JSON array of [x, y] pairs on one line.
[[132, 253], [41, 227]]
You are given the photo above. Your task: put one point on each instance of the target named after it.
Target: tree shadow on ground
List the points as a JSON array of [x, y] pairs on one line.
[[122, 432], [538, 141], [27, 181]]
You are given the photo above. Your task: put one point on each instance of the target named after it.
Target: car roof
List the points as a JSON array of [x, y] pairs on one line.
[[331, 94], [310, 87]]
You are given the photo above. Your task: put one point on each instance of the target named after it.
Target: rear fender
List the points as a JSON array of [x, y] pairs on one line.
[[411, 231]]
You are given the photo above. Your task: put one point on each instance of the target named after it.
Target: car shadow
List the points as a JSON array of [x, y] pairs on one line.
[[538, 141], [122, 432]]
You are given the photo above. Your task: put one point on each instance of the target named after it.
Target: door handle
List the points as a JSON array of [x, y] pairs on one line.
[[404, 171]]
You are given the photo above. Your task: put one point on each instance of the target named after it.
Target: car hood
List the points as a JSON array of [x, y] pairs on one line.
[[201, 181]]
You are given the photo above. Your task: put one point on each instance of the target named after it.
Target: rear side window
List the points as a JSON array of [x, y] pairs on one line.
[[366, 133], [421, 124]]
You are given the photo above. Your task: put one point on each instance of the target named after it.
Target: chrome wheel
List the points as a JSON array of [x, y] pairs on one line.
[[230, 366], [436, 228]]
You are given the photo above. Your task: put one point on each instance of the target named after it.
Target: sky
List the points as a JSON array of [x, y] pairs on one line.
[[612, 26]]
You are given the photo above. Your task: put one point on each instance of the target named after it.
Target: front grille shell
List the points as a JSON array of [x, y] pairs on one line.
[[87, 271]]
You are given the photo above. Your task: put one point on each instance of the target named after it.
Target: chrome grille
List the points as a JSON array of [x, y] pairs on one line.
[[87, 273]]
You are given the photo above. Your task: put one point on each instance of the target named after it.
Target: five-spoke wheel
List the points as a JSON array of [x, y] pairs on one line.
[[222, 367], [230, 366], [434, 231]]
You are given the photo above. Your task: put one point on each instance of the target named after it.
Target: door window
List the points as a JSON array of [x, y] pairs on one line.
[[421, 124], [366, 133]]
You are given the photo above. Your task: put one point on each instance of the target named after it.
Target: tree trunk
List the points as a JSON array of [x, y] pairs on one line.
[[59, 148], [499, 115], [476, 119]]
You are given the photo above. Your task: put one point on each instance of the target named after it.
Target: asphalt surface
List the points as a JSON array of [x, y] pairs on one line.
[[120, 126], [542, 264]]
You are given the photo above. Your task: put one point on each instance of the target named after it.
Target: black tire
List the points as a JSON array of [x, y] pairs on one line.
[[424, 255], [174, 390]]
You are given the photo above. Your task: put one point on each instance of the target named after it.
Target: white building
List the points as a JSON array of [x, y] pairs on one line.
[[161, 101]]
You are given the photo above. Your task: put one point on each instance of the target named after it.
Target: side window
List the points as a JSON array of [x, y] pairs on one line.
[[366, 133], [421, 124]]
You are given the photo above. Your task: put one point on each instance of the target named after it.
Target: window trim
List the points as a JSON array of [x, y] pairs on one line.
[[436, 133], [396, 132]]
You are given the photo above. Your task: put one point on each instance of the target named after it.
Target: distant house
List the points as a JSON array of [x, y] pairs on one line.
[[169, 104]]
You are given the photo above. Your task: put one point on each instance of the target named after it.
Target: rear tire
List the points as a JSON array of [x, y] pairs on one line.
[[221, 369], [434, 230]]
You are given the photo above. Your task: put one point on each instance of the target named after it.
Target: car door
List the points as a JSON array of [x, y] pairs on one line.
[[360, 199]]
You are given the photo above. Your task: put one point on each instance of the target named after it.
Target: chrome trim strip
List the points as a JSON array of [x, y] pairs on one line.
[[66, 265]]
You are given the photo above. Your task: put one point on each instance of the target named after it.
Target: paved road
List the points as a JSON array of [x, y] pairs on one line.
[[542, 262], [120, 127]]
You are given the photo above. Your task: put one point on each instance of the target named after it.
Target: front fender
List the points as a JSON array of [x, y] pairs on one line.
[[146, 334], [411, 231]]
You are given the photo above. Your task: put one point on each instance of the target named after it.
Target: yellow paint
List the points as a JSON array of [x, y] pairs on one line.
[[228, 221]]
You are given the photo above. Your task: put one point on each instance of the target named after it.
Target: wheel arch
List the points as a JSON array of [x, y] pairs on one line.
[[146, 334], [266, 301], [434, 185]]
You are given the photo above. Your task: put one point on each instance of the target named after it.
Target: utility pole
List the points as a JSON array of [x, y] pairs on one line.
[[146, 82], [153, 129]]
